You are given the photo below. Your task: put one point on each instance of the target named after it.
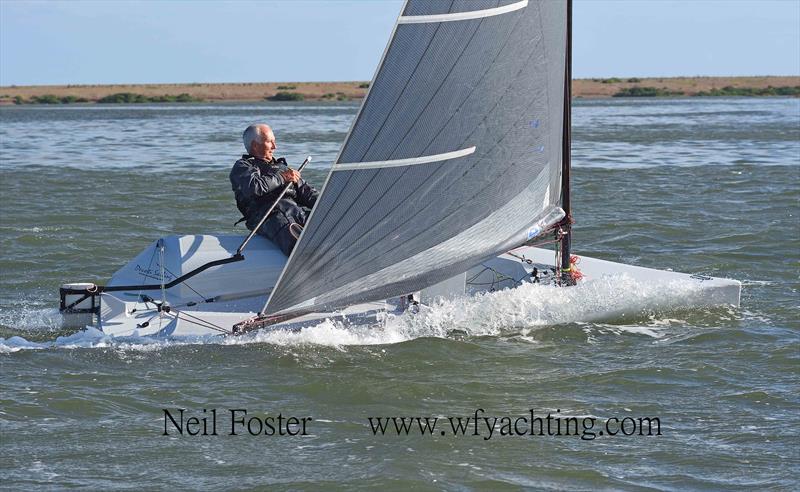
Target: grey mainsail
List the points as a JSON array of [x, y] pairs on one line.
[[454, 156]]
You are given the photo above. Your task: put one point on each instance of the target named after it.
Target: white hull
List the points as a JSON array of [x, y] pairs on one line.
[[213, 301]]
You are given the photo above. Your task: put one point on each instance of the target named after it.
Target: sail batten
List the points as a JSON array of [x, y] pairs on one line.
[[465, 15], [405, 162], [476, 102]]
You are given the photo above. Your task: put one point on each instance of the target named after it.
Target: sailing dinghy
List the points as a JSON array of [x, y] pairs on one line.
[[455, 168]]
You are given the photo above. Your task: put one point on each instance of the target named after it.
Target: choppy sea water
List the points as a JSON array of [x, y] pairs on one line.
[[705, 186]]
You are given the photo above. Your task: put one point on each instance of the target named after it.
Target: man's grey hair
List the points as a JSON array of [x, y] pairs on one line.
[[251, 134]]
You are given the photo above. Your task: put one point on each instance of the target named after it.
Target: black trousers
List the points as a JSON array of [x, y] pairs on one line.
[[278, 227]]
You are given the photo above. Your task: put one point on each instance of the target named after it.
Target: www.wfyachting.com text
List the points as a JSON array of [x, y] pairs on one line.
[[481, 425]]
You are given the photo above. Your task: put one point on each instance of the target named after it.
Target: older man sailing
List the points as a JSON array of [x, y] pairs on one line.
[[258, 179]]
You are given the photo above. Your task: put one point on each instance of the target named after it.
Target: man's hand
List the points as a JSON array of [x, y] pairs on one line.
[[290, 176]]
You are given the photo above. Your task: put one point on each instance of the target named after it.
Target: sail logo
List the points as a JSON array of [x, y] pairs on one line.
[[153, 273]]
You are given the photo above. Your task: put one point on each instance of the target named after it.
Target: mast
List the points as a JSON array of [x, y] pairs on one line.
[[566, 239]]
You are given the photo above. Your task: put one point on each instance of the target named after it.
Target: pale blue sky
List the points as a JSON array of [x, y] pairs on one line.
[[96, 42]]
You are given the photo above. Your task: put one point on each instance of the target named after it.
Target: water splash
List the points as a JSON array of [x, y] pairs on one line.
[[512, 311], [31, 319]]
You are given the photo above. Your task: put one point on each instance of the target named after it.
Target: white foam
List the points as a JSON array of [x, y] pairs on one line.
[[31, 318], [15, 344], [511, 311]]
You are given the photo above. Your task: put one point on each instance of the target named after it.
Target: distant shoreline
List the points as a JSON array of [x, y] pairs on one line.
[[343, 91]]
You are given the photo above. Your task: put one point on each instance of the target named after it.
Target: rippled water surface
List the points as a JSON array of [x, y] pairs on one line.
[[705, 186]]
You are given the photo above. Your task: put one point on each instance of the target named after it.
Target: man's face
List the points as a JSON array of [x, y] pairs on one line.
[[267, 147]]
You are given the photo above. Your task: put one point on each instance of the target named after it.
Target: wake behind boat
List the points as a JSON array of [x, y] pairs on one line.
[[455, 167]]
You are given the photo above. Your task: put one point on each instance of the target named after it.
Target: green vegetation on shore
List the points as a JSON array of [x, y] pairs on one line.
[[339, 96], [286, 96], [50, 99], [118, 98], [751, 91], [131, 98], [727, 91], [637, 91], [617, 80]]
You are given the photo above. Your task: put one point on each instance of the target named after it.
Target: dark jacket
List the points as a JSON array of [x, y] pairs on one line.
[[257, 183]]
